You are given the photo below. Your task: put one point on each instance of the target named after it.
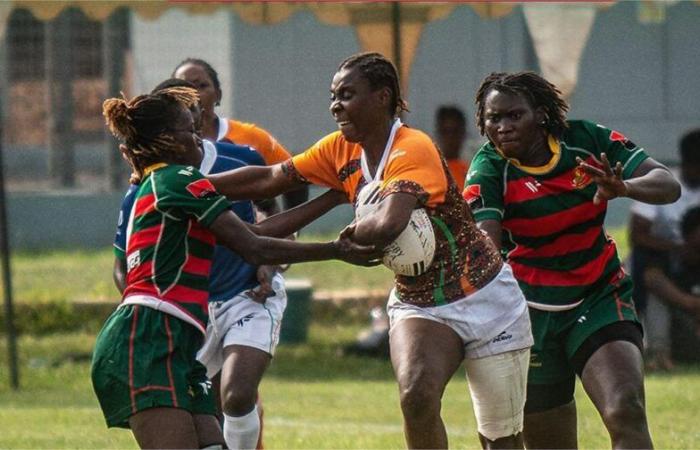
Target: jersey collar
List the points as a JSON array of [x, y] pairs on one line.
[[554, 147], [153, 167]]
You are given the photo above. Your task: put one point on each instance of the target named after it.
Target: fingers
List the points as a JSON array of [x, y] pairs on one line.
[[589, 169]]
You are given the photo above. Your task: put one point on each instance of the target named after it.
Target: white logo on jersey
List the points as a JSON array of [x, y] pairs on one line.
[[133, 260], [471, 174], [533, 185], [206, 385], [186, 171]]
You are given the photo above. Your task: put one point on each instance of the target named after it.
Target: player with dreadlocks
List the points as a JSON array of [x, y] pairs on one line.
[[466, 307], [145, 371], [540, 188]]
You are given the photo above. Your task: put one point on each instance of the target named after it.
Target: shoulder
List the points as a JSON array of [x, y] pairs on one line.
[[248, 128], [414, 137], [243, 152]]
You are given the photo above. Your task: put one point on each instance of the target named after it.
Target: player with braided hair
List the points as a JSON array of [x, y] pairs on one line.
[[540, 188], [144, 370], [467, 306]]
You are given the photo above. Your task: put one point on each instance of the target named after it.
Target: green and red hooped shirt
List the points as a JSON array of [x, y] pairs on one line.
[[553, 234], [169, 247]]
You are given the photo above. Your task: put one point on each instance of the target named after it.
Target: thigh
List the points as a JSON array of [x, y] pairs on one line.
[[208, 430], [243, 367], [164, 428], [425, 352], [497, 386]]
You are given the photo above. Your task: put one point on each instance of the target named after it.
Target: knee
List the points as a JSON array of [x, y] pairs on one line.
[[419, 397], [237, 401], [625, 410]]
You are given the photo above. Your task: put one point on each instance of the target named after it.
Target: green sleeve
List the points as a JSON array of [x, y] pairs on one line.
[[618, 148], [483, 189], [183, 192]]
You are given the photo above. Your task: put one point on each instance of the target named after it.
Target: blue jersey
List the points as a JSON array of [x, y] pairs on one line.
[[230, 274]]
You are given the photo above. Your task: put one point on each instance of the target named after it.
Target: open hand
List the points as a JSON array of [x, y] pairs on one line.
[[609, 181]]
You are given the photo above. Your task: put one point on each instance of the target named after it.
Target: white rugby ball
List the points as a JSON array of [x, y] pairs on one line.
[[412, 252]]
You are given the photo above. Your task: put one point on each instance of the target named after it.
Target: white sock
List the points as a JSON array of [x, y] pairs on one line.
[[241, 433]]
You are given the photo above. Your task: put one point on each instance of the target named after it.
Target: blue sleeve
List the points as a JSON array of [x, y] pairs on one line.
[[239, 155], [123, 221]]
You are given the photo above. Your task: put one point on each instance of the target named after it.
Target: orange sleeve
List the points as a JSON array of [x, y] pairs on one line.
[[415, 168], [458, 169], [249, 134], [317, 164]]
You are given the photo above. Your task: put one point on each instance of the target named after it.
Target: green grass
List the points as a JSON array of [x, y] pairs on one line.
[[87, 274], [313, 398]]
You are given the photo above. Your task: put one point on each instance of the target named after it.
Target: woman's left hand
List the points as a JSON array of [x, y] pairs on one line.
[[609, 181]]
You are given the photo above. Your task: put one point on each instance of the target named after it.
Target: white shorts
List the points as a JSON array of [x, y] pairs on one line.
[[243, 321], [491, 321]]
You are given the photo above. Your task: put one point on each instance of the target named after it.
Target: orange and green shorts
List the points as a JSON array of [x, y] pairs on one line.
[[144, 358]]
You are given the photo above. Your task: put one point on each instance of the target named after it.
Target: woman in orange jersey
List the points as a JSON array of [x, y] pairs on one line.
[[466, 306], [215, 128]]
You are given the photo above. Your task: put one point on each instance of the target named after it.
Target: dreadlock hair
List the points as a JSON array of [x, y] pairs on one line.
[[143, 122], [204, 65], [380, 72], [536, 90]]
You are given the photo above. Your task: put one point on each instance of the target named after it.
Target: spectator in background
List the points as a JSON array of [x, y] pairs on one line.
[[451, 133], [654, 229], [675, 283]]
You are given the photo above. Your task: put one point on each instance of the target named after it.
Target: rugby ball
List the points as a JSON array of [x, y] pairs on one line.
[[412, 252]]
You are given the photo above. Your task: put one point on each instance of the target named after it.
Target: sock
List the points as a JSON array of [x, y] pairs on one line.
[[241, 433]]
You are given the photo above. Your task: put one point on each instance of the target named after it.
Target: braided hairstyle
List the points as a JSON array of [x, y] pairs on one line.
[[379, 72], [536, 90], [143, 122]]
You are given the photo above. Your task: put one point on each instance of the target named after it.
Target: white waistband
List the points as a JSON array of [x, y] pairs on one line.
[[161, 305], [553, 308]]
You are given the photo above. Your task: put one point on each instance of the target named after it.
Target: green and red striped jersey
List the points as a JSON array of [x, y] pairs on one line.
[[553, 234], [169, 247]]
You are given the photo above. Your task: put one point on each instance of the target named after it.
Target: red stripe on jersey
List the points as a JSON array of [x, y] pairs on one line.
[[197, 266], [144, 238], [581, 276], [143, 271], [183, 294], [529, 188], [563, 245], [554, 223], [201, 234], [144, 204]]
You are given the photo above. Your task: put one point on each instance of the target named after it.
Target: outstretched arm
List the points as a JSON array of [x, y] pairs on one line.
[[651, 182], [292, 220], [232, 232], [253, 182]]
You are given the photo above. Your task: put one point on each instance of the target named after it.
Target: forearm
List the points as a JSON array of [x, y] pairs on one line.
[[657, 187], [283, 251], [252, 182], [292, 220], [659, 284]]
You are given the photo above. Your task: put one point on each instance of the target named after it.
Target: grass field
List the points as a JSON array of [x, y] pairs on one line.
[[65, 275], [313, 398]]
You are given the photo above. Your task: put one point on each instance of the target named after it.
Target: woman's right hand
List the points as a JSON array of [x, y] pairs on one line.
[[353, 253]]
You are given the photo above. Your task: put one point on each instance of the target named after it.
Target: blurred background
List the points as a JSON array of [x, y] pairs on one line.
[[629, 65]]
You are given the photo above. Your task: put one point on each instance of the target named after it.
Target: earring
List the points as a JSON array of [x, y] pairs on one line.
[[543, 123], [218, 103]]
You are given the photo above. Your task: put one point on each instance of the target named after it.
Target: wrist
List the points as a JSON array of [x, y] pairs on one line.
[[626, 188]]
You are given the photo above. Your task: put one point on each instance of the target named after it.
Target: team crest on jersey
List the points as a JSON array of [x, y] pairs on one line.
[[581, 179], [201, 188], [472, 194], [616, 136]]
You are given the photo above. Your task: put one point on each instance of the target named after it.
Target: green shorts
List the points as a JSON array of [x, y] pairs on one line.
[[145, 358], [558, 335]]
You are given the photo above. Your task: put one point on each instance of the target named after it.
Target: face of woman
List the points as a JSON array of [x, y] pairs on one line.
[[208, 94], [357, 109], [512, 124], [186, 137]]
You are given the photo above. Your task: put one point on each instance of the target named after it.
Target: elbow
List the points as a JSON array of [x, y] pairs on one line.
[[675, 191]]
